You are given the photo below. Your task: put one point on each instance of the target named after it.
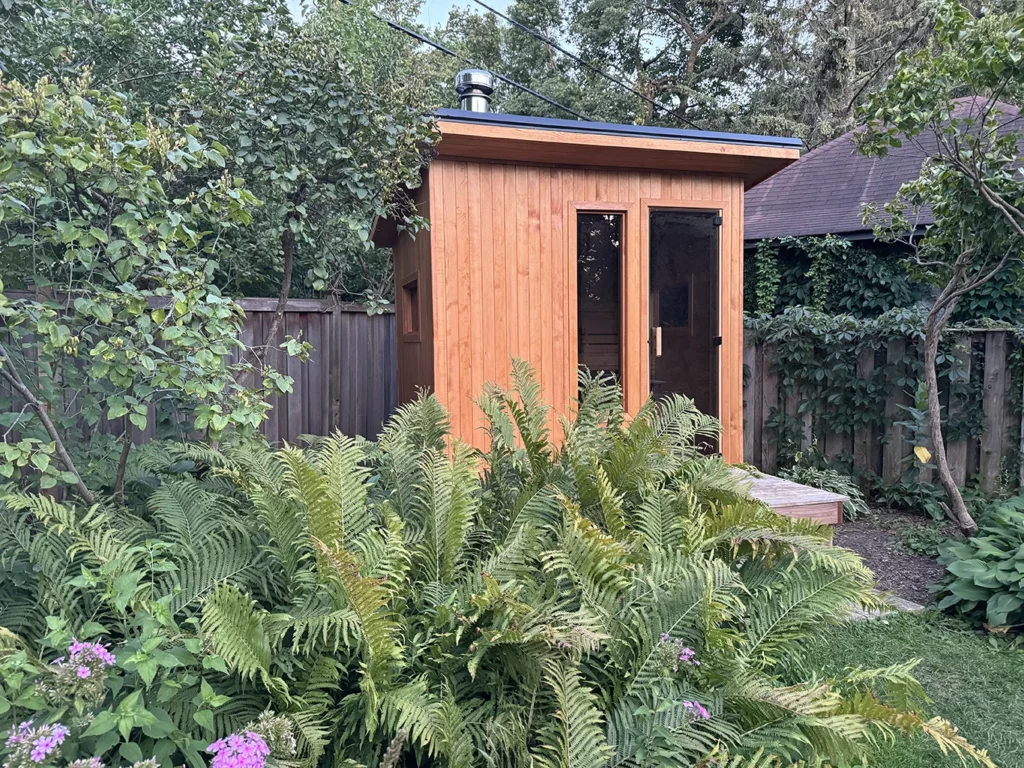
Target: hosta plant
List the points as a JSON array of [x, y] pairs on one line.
[[984, 575], [609, 598]]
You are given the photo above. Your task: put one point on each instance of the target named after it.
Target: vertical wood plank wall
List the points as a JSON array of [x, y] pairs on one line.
[[412, 262], [504, 280]]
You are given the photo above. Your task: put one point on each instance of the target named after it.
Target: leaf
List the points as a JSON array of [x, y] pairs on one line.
[[923, 454], [131, 752], [205, 718], [103, 722]]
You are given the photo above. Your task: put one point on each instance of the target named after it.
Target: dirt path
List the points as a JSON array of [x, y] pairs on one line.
[[876, 538]]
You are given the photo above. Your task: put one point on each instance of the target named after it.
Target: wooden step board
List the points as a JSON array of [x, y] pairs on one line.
[[795, 500]]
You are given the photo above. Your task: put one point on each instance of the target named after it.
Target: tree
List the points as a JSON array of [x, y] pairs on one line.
[[325, 117], [327, 148], [971, 178], [789, 68], [122, 222]]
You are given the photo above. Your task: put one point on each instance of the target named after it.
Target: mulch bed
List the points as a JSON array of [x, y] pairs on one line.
[[876, 538]]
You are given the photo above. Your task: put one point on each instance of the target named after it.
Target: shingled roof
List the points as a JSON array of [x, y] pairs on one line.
[[824, 191]]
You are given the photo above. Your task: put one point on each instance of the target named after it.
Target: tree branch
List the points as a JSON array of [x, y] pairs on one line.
[[11, 375]]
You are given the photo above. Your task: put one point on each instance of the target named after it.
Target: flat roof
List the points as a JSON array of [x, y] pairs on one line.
[[616, 129]]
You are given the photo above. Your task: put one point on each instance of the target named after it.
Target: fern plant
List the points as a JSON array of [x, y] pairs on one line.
[[612, 599]]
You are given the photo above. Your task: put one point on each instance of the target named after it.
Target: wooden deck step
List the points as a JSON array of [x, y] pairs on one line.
[[795, 500]]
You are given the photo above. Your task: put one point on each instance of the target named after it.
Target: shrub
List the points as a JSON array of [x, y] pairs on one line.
[[828, 479], [984, 578], [609, 598]]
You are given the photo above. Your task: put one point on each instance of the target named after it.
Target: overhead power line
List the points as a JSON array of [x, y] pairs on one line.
[[424, 39], [601, 73]]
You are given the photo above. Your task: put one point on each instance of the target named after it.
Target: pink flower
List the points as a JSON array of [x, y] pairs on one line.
[[84, 672], [696, 710], [239, 750]]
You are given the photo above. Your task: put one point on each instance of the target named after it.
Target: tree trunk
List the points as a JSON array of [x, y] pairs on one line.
[[938, 317], [122, 464], [288, 248]]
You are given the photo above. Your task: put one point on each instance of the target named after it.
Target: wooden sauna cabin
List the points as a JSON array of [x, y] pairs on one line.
[[570, 243]]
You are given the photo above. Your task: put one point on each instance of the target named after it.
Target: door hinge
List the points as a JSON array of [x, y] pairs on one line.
[[717, 341], [717, 221]]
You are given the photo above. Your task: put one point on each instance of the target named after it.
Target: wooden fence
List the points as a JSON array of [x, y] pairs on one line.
[[348, 384], [350, 381], [884, 449]]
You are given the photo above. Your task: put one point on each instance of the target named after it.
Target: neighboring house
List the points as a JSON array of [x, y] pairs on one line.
[[824, 193]]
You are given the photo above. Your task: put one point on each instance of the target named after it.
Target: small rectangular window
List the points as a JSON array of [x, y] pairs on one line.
[[411, 308], [599, 293]]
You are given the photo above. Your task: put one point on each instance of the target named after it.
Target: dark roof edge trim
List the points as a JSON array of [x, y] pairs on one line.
[[615, 129]]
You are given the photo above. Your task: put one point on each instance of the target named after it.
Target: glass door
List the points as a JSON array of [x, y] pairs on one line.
[[684, 311]]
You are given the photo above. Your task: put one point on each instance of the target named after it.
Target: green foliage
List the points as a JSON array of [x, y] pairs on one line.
[[832, 274], [817, 357], [324, 116], [983, 580], [341, 134], [969, 180], [615, 598], [924, 539], [124, 233], [741, 65], [809, 469]]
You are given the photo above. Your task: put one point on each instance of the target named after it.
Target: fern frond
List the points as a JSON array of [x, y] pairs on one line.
[[234, 627], [368, 600], [594, 563], [331, 486], [575, 738], [447, 507]]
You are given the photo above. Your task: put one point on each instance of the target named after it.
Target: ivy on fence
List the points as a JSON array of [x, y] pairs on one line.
[[839, 375]]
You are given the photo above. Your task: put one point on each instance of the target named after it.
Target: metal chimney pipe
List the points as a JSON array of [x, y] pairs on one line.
[[475, 87]]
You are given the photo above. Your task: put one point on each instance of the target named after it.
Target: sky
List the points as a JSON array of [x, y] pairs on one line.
[[434, 12]]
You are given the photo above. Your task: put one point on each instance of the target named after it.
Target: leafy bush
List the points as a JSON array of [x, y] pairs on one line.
[[926, 538], [609, 598], [985, 578], [828, 479]]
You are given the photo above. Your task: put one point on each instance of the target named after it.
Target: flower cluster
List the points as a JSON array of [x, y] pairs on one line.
[[28, 746], [674, 653], [79, 674], [239, 750], [91, 762], [277, 731], [696, 711]]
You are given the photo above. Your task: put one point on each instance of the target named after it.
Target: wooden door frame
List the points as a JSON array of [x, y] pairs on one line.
[[630, 377], [664, 204]]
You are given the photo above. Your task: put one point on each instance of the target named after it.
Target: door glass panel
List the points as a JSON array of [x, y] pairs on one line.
[[598, 291], [684, 306]]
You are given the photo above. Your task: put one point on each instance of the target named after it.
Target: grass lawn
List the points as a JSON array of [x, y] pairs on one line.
[[978, 688]]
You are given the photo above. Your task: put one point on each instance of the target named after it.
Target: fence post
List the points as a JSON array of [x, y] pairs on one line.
[[769, 400], [893, 449], [752, 406], [996, 406], [862, 434]]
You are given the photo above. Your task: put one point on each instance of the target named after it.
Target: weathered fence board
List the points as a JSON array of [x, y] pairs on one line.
[[885, 450], [996, 406], [349, 382], [769, 400], [893, 446]]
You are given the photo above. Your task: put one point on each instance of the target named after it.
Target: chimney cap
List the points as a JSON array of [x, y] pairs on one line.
[[474, 81]]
